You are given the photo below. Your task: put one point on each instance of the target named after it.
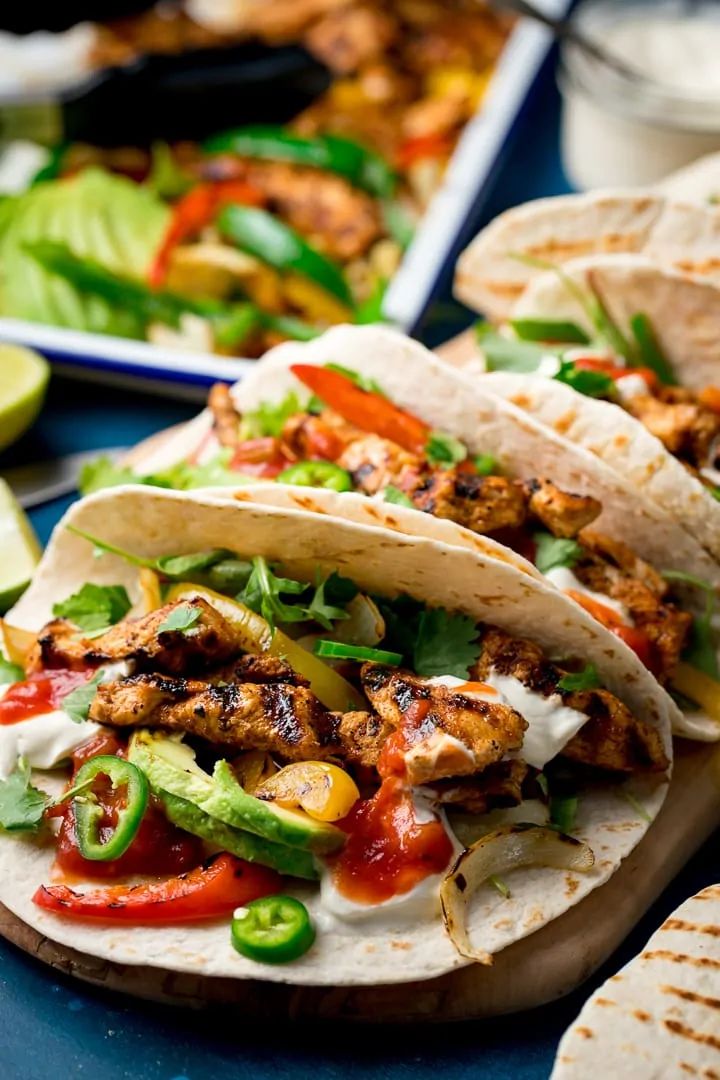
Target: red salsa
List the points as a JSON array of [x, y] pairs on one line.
[[40, 693]]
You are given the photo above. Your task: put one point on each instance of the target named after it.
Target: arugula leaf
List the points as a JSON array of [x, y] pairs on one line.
[[563, 811], [701, 651], [394, 495], [486, 464], [509, 354], [650, 353], [264, 594], [444, 449], [636, 804], [550, 330], [553, 551], [21, 805], [9, 672], [183, 567], [181, 619], [269, 417], [590, 383], [94, 607], [587, 679], [321, 610], [445, 644], [339, 589], [363, 382], [498, 884], [77, 703]]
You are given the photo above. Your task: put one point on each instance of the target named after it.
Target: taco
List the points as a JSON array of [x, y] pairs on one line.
[[659, 1015], [502, 260], [365, 412], [291, 820]]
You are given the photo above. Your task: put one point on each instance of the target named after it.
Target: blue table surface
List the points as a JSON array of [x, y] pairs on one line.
[[52, 1025]]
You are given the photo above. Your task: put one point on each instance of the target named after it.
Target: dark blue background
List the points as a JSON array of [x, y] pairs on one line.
[[52, 1026]]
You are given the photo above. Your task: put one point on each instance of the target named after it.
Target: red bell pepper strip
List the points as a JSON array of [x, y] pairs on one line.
[[366, 410], [633, 636], [710, 398], [196, 210], [616, 372], [206, 892], [421, 148]]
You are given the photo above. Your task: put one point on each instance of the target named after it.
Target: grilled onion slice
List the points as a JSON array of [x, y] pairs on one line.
[[496, 854]]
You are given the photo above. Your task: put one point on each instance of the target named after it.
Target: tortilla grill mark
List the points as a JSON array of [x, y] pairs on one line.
[[641, 1015], [681, 958], [696, 928], [690, 995], [704, 1037], [604, 1001], [585, 1032]]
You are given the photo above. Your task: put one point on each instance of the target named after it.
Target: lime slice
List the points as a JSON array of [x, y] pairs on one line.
[[23, 382], [19, 549]]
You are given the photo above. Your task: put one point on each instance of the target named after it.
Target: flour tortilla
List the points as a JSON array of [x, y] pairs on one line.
[[456, 403], [660, 1015], [685, 317], [153, 522], [698, 182], [684, 236]]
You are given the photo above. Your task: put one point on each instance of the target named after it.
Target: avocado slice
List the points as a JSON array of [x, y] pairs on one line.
[[286, 860], [170, 766]]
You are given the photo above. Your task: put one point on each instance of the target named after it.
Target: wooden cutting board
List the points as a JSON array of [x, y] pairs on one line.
[[538, 969]]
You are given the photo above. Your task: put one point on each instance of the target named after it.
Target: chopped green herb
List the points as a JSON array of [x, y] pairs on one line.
[[563, 810], [701, 652], [550, 330], [498, 884], [510, 354], [542, 783], [104, 473], [338, 651], [587, 679], [184, 567], [166, 178], [269, 417], [445, 644], [399, 222], [394, 495], [371, 309], [635, 803], [553, 551], [180, 620], [443, 449], [321, 610], [363, 382], [94, 607], [264, 594], [21, 805], [590, 383], [77, 703], [486, 464], [650, 353], [10, 673]]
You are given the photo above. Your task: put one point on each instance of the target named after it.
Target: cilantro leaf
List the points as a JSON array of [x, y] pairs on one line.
[[401, 616], [77, 703], [443, 449], [269, 417], [21, 805], [394, 495], [94, 607], [9, 672], [181, 619], [363, 382], [590, 383], [550, 330], [553, 551], [587, 679], [445, 644], [486, 464], [701, 652]]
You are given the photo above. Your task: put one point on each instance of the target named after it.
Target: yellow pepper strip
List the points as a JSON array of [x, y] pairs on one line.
[[17, 643], [256, 636], [324, 791], [150, 595], [700, 688]]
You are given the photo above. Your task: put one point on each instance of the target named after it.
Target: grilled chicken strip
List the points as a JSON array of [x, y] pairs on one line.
[[482, 731], [284, 719], [499, 785], [210, 641], [613, 738], [685, 426], [226, 419]]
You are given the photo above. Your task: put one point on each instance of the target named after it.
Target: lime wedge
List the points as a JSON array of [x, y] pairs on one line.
[[23, 382], [19, 549]]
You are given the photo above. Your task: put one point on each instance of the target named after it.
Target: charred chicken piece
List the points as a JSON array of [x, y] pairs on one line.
[[481, 503], [281, 718], [610, 567], [613, 738], [374, 462], [348, 39], [685, 426], [209, 642], [562, 512], [481, 731], [497, 786], [225, 416]]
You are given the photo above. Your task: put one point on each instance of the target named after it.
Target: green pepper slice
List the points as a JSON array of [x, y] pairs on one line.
[[272, 930], [270, 240], [88, 814], [362, 167], [319, 474]]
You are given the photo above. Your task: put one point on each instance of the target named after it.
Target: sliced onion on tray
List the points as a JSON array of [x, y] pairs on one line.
[[497, 854]]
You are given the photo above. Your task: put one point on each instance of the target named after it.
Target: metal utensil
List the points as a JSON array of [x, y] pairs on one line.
[[566, 30], [42, 481]]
